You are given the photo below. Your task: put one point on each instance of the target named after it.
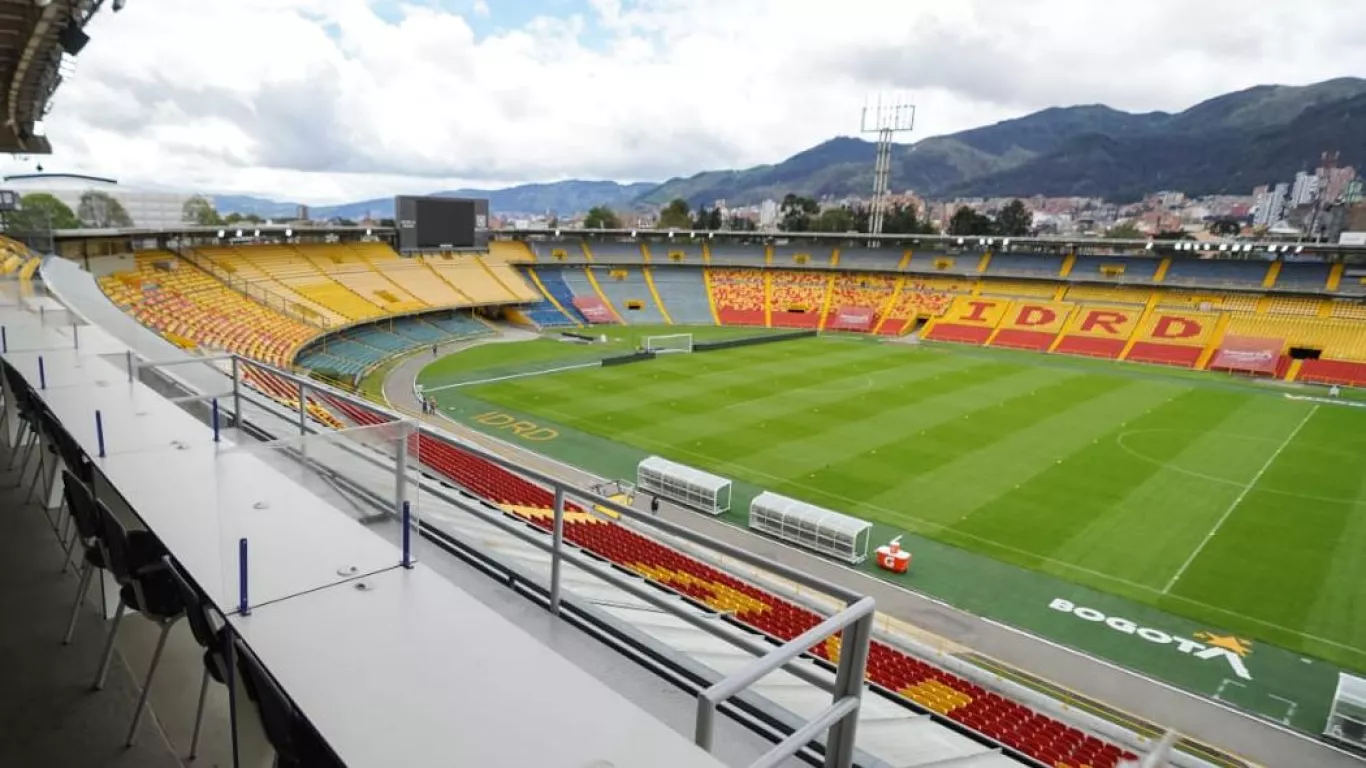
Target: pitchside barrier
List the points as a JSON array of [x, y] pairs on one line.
[[634, 357], [713, 346], [579, 336]]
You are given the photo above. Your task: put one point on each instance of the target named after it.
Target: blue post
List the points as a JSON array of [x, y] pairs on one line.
[[42, 374], [99, 432], [215, 419], [243, 608], [407, 535]]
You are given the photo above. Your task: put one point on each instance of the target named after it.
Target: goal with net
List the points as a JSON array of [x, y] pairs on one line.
[[674, 342]]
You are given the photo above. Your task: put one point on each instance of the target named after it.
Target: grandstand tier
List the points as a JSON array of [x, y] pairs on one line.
[[896, 671], [299, 291]]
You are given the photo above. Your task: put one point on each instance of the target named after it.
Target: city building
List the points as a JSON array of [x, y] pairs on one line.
[[1271, 206], [1305, 189]]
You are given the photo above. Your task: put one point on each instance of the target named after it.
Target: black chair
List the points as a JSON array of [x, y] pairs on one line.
[[212, 636], [27, 435], [68, 454], [296, 743], [85, 516], [146, 586]]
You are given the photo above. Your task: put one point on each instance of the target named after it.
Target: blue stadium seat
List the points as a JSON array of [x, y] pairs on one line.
[[1220, 272], [1303, 276], [1130, 268], [553, 280], [1024, 264]]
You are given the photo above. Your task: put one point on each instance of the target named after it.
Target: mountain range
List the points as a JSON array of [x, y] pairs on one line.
[[1226, 145]]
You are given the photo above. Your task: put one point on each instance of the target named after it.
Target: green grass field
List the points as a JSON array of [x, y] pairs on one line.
[[1224, 502]]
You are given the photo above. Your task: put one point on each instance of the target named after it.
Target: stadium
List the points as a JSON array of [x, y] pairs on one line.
[[441, 494]]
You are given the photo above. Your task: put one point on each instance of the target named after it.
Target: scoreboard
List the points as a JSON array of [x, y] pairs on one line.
[[441, 223]]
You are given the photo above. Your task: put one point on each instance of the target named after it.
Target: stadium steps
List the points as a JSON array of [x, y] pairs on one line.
[[535, 278], [891, 306], [1271, 274], [1335, 276], [654, 292], [597, 289], [1220, 329], [711, 296], [436, 274], [829, 295], [768, 296], [1161, 274], [506, 276], [1067, 265]]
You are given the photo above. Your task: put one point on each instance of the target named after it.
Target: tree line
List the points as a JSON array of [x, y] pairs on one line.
[[797, 213], [43, 211]]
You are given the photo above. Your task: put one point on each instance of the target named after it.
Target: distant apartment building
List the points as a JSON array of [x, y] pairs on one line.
[[1333, 182], [1305, 190], [1271, 206], [768, 214]]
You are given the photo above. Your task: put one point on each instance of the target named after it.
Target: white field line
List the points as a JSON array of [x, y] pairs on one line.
[[509, 377], [1236, 502]]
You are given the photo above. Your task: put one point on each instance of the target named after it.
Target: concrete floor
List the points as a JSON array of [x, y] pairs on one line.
[[50, 715]]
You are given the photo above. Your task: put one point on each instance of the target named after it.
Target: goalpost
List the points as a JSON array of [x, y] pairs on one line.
[[674, 342]]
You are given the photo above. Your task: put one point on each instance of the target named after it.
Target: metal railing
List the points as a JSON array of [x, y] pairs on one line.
[[853, 623]]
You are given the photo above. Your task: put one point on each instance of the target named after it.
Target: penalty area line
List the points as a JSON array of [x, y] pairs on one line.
[[457, 385], [1238, 501]]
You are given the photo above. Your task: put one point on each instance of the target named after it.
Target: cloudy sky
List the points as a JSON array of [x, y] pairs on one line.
[[332, 100]]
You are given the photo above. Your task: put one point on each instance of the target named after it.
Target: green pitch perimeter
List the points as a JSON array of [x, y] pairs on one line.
[[1150, 517]]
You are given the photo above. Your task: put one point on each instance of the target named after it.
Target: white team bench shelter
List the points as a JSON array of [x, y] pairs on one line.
[[684, 485]]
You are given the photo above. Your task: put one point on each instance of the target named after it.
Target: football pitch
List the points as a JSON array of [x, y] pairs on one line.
[[1227, 503]]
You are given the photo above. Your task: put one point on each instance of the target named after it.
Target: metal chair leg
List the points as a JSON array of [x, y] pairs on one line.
[[87, 571], [18, 444], [147, 684], [69, 537], [199, 714], [108, 648]]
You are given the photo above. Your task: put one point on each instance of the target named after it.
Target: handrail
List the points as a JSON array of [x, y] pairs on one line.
[[805, 579], [840, 717], [855, 621]]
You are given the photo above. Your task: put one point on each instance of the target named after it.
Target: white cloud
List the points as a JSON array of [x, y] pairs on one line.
[[324, 100]]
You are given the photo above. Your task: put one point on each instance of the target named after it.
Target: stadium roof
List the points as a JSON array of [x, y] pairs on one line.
[[1204, 248], [34, 36], [242, 229]]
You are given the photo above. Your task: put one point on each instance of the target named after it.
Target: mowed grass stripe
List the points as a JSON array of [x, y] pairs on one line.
[[742, 435], [1297, 539], [1106, 511], [696, 386], [876, 450], [1148, 465], [588, 392]]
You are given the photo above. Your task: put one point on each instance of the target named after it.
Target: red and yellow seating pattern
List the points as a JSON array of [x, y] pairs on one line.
[[739, 296], [282, 392], [1010, 723], [798, 298], [1099, 330], [921, 298], [191, 309], [1173, 337]]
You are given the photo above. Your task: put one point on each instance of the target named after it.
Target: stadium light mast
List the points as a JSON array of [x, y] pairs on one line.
[[885, 116]]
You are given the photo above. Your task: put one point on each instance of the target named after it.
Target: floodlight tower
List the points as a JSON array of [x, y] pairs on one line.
[[885, 116]]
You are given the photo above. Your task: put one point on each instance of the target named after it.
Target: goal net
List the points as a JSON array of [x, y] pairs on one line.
[[675, 342]]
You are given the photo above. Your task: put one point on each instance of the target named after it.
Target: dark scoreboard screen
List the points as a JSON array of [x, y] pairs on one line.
[[439, 223]]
